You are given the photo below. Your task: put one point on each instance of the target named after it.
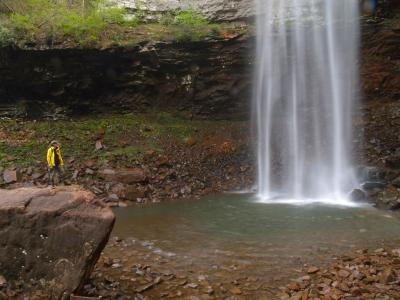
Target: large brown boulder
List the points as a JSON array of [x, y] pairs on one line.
[[51, 238], [126, 176]]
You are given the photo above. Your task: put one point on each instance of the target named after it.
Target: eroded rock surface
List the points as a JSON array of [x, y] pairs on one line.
[[221, 10], [51, 238]]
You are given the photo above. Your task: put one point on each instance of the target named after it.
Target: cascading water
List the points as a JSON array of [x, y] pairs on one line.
[[305, 89]]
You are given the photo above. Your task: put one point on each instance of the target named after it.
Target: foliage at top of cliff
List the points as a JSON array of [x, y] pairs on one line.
[[93, 23]]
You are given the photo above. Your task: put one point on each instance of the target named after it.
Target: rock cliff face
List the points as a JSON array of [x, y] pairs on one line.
[[51, 239], [209, 78], [219, 10]]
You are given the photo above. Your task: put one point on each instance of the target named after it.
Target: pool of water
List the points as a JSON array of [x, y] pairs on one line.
[[238, 233]]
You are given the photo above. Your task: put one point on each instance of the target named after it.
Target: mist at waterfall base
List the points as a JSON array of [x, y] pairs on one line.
[[306, 85]]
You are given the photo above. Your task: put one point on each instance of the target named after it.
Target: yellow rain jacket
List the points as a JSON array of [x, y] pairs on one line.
[[51, 161]]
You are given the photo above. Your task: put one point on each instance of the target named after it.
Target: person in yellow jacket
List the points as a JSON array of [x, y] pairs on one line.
[[55, 162]]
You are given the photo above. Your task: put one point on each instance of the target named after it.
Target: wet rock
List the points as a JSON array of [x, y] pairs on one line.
[[132, 193], [373, 186], [396, 182], [357, 195], [368, 173], [391, 175], [51, 235], [388, 199]]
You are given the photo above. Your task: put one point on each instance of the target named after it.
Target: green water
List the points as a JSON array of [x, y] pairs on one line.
[[237, 230], [242, 218]]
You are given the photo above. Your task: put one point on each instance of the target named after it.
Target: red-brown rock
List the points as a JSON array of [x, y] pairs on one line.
[[126, 176], [312, 270], [10, 176]]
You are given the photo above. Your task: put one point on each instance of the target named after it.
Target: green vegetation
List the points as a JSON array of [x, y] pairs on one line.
[[189, 25], [59, 21], [6, 36], [126, 137], [48, 22]]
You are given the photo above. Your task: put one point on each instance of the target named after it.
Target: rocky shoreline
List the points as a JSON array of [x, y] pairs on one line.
[[125, 161], [139, 158], [361, 275]]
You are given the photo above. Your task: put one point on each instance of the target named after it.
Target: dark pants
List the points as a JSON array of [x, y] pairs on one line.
[[53, 173]]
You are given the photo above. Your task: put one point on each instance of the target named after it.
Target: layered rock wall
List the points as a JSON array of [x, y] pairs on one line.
[[208, 78], [218, 10]]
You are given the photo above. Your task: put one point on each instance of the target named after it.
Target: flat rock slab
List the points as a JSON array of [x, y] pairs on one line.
[[51, 236], [126, 176]]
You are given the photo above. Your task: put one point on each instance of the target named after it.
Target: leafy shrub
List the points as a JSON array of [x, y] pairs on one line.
[[82, 30], [22, 22], [167, 19], [6, 36], [190, 18], [58, 20], [191, 25]]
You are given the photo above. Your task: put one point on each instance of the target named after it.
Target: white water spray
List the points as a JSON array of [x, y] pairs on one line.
[[305, 89]]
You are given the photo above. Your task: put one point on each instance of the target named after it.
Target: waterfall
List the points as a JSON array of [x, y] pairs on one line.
[[306, 85]]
